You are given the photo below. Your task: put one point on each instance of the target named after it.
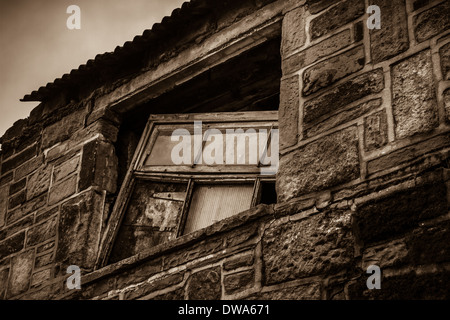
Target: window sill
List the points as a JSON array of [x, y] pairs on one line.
[[228, 224]]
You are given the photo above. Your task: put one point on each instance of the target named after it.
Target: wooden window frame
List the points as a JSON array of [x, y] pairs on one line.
[[191, 177]]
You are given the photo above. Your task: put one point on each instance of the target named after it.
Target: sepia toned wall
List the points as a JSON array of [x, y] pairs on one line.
[[364, 118]]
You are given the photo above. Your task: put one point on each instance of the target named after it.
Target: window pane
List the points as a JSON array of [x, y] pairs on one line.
[[212, 203]]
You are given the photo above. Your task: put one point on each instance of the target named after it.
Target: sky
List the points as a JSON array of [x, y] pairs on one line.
[[37, 47]]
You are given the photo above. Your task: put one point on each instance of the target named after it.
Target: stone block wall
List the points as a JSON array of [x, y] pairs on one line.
[[364, 121]]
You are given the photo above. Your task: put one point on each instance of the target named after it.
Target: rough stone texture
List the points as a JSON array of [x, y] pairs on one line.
[[446, 105], [337, 16], [293, 32], [321, 164], [392, 38], [28, 167], [414, 102], [350, 91], [12, 245], [44, 260], [153, 286], [322, 244], [406, 286], [243, 261], [237, 282], [315, 6], [408, 153], [331, 70], [39, 182], [420, 4], [19, 279], [81, 229], [17, 186], [3, 282], [342, 117], [310, 291], [17, 200], [316, 52], [19, 159], [63, 129], [397, 213], [375, 131], [98, 166], [25, 209], [427, 244], [16, 227], [41, 232], [444, 52], [205, 285], [173, 295], [66, 169], [288, 112], [3, 202], [432, 22], [63, 190]]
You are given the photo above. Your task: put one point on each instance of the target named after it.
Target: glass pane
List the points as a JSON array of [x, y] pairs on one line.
[[224, 146], [212, 203]]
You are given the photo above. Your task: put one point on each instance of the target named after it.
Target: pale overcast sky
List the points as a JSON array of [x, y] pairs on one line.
[[37, 47]]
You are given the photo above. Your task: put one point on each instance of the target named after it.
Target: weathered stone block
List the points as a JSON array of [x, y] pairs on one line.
[[3, 204], [414, 102], [177, 294], [149, 287], [406, 286], [139, 273], [39, 182], [293, 32], [17, 200], [242, 261], [385, 255], [392, 38], [315, 6], [321, 244], [80, 222], [406, 154], [375, 131], [393, 215], [331, 70], [289, 110], [16, 227], [98, 166], [348, 92], [40, 277], [316, 52], [205, 285], [63, 129], [420, 4], [342, 117], [447, 104], [25, 209], [6, 178], [66, 169], [44, 260], [202, 249], [12, 245], [19, 159], [328, 162], [62, 190], [337, 16], [310, 291], [20, 276], [17, 186], [3, 282], [238, 282], [431, 22], [28, 167], [41, 232], [444, 52]]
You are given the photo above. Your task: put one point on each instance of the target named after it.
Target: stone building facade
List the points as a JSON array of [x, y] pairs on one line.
[[363, 177]]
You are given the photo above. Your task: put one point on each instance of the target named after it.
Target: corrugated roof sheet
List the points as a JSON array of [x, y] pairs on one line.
[[139, 43]]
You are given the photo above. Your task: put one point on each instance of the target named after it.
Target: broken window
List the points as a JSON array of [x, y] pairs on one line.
[[190, 171]]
